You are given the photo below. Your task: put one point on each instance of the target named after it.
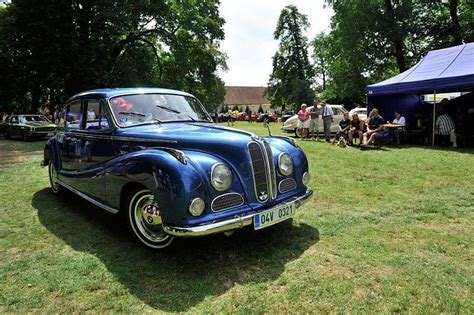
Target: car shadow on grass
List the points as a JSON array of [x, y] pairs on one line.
[[185, 274]]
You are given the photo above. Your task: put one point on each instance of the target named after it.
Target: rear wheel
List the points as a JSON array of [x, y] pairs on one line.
[[144, 220], [53, 178]]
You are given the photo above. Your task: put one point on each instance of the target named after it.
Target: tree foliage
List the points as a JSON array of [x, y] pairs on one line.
[[50, 50], [290, 81], [372, 40]]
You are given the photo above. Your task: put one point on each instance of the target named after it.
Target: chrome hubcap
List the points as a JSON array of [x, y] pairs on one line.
[[148, 220]]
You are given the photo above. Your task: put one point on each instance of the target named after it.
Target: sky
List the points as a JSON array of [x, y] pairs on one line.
[[249, 42]]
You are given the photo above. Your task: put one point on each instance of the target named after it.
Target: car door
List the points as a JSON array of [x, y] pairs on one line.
[[94, 149], [67, 140]]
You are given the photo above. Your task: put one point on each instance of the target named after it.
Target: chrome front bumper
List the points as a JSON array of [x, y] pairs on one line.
[[230, 224]]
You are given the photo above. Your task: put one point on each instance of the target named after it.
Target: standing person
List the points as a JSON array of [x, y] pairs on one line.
[[303, 121], [229, 117], [357, 128], [249, 114], [314, 121], [328, 118], [444, 126]]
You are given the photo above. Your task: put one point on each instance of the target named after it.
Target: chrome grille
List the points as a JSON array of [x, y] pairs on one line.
[[263, 170], [227, 201], [286, 185], [45, 128], [271, 166]]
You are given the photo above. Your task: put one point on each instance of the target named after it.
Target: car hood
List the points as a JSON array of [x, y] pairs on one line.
[[205, 136]]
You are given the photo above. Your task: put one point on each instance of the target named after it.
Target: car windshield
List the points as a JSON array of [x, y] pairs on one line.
[[33, 118], [149, 108]]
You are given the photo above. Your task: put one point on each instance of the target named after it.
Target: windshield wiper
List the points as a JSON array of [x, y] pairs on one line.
[[176, 111], [132, 113], [169, 109]]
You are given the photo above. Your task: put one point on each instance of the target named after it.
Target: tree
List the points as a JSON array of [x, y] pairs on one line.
[[260, 109], [322, 57], [54, 49], [290, 81], [372, 40]]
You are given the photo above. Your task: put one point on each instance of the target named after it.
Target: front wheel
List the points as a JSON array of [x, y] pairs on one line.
[[144, 220], [298, 132]]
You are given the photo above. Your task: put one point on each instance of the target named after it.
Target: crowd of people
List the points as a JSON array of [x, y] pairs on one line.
[[375, 129], [368, 131]]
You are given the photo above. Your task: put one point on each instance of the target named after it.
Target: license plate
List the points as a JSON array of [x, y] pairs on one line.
[[273, 216]]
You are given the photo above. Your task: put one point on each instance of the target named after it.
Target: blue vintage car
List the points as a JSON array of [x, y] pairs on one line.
[[156, 157]]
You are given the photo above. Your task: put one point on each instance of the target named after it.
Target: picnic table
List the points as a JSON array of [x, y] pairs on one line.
[[390, 125]]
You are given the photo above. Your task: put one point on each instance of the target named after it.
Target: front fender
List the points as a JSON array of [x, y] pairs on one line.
[[174, 183]]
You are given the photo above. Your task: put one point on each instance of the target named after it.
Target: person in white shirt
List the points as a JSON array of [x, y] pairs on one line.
[[328, 118], [399, 120]]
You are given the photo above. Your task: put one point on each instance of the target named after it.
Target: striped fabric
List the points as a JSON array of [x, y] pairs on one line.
[[445, 124]]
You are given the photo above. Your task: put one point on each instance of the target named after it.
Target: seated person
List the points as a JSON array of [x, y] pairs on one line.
[[344, 126], [356, 128], [374, 127], [399, 120]]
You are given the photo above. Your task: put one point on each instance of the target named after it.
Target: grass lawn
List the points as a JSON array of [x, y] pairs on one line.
[[388, 231]]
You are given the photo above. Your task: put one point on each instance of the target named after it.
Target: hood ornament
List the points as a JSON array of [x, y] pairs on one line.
[[267, 126]]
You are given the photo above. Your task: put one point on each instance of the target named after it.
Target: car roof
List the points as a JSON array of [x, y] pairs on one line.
[[108, 93]]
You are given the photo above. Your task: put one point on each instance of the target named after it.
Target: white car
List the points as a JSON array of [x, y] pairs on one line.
[[360, 111], [338, 110]]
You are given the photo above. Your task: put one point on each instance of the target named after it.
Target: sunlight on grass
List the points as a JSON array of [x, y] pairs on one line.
[[387, 231]]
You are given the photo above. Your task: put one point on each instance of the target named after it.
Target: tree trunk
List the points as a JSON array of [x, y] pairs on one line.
[[35, 98], [395, 37], [453, 11]]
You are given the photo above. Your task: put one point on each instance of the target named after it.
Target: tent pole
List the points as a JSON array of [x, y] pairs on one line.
[[434, 121]]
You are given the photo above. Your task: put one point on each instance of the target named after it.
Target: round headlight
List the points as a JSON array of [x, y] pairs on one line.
[[285, 164], [306, 178], [221, 177], [197, 207]]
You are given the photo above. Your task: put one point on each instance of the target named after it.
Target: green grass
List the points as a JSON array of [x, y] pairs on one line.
[[387, 231]]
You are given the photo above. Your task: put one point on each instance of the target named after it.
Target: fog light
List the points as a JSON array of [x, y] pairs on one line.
[[306, 178], [197, 207]]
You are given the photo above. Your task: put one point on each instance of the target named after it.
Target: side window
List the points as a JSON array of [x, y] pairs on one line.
[[14, 120], [74, 115], [96, 117], [336, 111]]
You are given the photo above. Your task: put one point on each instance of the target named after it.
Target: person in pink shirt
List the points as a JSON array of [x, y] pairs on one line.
[[303, 121]]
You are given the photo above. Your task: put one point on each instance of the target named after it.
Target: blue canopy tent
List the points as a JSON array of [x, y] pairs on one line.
[[443, 70]]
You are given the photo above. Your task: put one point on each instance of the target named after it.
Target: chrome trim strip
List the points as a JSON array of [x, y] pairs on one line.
[[88, 135], [234, 223], [120, 138], [286, 179], [222, 196], [91, 200]]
